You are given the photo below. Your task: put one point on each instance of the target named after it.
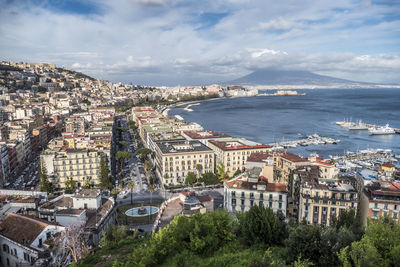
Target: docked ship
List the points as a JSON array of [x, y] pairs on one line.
[[358, 126], [381, 130]]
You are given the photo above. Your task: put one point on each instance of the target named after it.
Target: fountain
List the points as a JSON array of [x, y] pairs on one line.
[[141, 211]]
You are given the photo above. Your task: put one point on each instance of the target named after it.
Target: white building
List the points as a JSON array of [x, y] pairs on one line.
[[26, 241], [96, 213], [249, 189]]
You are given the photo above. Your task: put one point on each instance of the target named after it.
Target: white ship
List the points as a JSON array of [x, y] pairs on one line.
[[381, 130], [358, 126]]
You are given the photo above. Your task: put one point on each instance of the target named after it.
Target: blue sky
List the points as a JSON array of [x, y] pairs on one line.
[[170, 42]]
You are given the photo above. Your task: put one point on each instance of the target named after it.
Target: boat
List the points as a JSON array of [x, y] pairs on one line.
[[358, 126], [381, 130]]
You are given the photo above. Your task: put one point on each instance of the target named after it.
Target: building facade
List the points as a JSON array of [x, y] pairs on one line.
[[249, 189], [174, 160]]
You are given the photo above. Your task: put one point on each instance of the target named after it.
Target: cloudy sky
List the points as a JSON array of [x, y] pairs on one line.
[[198, 42]]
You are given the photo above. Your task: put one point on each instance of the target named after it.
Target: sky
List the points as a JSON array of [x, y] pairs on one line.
[[181, 42]]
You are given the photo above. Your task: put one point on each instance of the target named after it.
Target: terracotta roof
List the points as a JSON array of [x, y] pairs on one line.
[[205, 198], [276, 187], [21, 229], [388, 165], [293, 157], [259, 156], [224, 145]]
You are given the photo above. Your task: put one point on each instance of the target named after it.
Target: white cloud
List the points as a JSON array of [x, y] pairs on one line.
[[157, 41]]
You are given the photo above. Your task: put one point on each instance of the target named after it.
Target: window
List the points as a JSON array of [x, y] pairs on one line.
[[242, 194], [395, 215], [395, 207], [385, 207], [280, 205], [233, 193], [270, 205], [261, 203], [280, 197], [251, 195], [251, 203], [26, 256], [270, 196], [261, 196], [233, 201], [376, 206], [242, 202]]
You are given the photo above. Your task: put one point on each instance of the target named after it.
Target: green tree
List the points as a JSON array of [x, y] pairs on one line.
[[260, 225], [237, 172], [190, 178], [349, 219], [378, 247], [131, 186], [115, 192], [70, 185], [45, 184], [304, 241], [222, 174], [122, 156], [151, 191], [132, 125], [199, 168], [123, 143], [209, 178], [143, 152], [105, 178]]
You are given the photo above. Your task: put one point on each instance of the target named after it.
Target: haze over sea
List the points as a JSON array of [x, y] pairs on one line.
[[268, 119]]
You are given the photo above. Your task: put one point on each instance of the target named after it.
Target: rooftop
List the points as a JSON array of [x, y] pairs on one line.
[[206, 134], [181, 147], [21, 229], [237, 144], [88, 193]]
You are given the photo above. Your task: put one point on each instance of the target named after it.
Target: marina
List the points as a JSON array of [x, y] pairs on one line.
[[314, 139]]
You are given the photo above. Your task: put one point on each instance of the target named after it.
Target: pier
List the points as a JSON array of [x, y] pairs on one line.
[[314, 139]]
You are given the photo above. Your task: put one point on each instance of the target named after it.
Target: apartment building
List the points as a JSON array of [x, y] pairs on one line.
[[251, 188], [380, 199], [4, 164], [233, 152], [80, 165], [174, 160], [321, 200]]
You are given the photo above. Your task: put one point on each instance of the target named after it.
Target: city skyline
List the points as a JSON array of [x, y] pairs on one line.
[[159, 42]]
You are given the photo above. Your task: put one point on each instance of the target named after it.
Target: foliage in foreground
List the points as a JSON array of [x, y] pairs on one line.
[[255, 238]]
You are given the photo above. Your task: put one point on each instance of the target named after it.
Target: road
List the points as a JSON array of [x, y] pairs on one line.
[[134, 171]]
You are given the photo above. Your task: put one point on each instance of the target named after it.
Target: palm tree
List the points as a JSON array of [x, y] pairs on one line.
[[131, 185], [199, 168], [151, 190]]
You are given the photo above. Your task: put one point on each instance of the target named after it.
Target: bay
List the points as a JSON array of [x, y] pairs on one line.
[[268, 119]]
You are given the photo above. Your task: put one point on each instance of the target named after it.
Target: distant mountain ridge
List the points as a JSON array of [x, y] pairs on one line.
[[288, 77]]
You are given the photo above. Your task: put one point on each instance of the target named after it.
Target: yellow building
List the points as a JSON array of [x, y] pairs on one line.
[[233, 152], [80, 165], [175, 159]]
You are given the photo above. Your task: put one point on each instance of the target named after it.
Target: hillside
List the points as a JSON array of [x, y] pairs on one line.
[[288, 77]]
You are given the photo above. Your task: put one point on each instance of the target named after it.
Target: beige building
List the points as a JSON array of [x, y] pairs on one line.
[[80, 165], [250, 188], [233, 152], [380, 199], [321, 200], [174, 160]]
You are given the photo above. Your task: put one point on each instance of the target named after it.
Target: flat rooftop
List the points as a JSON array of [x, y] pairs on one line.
[[176, 147]]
